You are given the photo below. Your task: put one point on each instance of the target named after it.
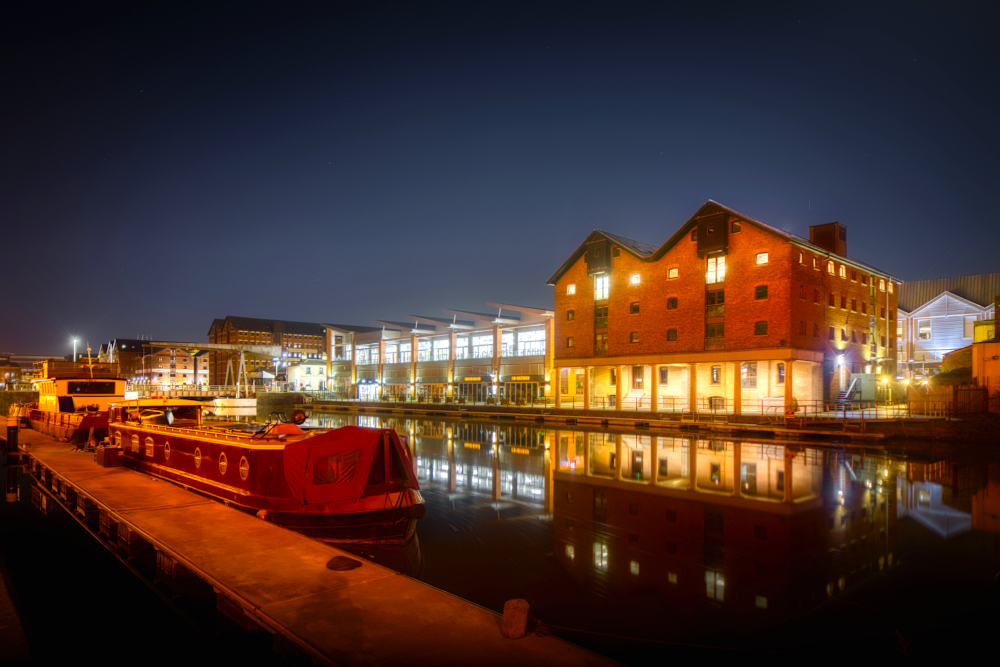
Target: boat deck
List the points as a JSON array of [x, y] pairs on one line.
[[371, 615]]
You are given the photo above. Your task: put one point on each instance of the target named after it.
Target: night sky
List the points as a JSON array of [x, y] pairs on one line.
[[166, 164]]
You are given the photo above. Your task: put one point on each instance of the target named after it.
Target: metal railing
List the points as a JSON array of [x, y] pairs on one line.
[[717, 310], [715, 343]]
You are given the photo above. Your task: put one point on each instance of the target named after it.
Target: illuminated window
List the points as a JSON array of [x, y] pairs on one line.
[[830, 268], [601, 285], [570, 342], [748, 375], [761, 602], [671, 577], [149, 447], [924, 329], [601, 555], [802, 258], [761, 258], [570, 552], [843, 271], [635, 279], [633, 337], [816, 263], [715, 586], [881, 285], [571, 289], [570, 315], [890, 287], [672, 273], [633, 567], [781, 373], [716, 375], [716, 272]]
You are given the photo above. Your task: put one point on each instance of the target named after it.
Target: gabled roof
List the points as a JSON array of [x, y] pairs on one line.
[[981, 289], [270, 326], [352, 328], [649, 253], [942, 295]]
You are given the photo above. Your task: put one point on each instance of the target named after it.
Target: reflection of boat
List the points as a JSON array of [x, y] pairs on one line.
[[73, 399], [233, 412], [349, 484]]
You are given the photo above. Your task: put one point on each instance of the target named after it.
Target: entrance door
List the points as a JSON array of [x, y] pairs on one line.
[[520, 391]]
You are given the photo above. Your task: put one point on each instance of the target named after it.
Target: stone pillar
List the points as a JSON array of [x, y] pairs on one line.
[[737, 472], [586, 387], [788, 476], [556, 387], [654, 389], [788, 383], [737, 388], [618, 387], [654, 463], [693, 388]]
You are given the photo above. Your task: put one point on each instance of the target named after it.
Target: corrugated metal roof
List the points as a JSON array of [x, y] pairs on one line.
[[981, 288]]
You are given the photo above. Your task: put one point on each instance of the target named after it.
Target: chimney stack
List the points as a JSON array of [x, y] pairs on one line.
[[831, 236]]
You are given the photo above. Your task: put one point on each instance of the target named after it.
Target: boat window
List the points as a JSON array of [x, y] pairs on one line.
[[377, 474], [223, 464], [135, 444], [197, 457], [336, 468], [397, 471], [90, 387], [118, 438], [149, 447], [166, 450], [244, 468]]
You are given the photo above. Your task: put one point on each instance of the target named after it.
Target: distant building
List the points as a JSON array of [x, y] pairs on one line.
[[128, 354], [298, 340], [174, 367], [938, 316]]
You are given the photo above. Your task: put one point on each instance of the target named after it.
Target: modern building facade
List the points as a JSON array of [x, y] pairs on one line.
[[729, 314], [939, 316]]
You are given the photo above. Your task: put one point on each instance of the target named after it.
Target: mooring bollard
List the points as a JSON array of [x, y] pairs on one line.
[[515, 619]]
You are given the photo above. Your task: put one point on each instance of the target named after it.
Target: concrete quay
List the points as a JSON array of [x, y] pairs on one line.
[[278, 581]]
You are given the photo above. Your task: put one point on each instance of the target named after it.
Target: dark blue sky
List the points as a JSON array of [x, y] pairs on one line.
[[166, 164]]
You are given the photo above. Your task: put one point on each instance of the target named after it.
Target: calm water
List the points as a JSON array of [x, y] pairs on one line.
[[633, 543]]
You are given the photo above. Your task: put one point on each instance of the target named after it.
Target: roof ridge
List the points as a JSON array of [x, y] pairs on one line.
[[627, 238]]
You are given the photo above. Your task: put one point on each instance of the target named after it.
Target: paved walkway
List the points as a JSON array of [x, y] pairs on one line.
[[367, 616]]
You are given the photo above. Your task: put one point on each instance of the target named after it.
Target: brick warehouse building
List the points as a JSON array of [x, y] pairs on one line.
[[728, 314], [298, 340]]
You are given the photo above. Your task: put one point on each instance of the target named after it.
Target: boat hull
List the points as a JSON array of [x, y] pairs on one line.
[[73, 427]]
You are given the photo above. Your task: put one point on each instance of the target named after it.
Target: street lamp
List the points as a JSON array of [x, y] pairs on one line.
[[74, 350]]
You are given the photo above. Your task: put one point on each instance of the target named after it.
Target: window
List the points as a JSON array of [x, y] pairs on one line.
[[736, 226], [816, 263], [761, 258], [843, 334], [864, 308], [832, 335], [716, 272], [664, 375], [570, 342], [829, 268], [613, 377], [833, 300], [715, 586], [637, 375], [760, 292], [864, 338], [672, 303], [883, 341], [633, 337], [716, 330], [802, 328], [635, 279], [890, 287], [802, 292], [671, 334], [601, 555], [854, 276], [601, 284], [854, 337], [716, 375], [815, 330], [923, 329], [571, 289], [802, 258], [672, 273], [748, 375], [843, 302], [881, 285], [615, 252], [570, 315], [760, 329], [864, 278], [843, 271], [815, 295], [694, 234], [881, 312], [781, 373], [715, 303], [633, 308], [968, 326]]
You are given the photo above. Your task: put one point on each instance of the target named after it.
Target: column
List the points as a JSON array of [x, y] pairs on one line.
[[453, 341], [788, 383], [556, 387], [451, 466], [496, 473], [586, 387], [693, 388], [737, 472], [413, 366], [654, 390], [737, 389], [618, 387], [654, 463], [381, 368], [329, 356], [353, 389]]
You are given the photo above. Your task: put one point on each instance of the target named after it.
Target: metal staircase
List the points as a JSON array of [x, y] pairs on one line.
[[847, 395]]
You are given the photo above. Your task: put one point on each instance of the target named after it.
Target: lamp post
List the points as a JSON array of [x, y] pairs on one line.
[[74, 350]]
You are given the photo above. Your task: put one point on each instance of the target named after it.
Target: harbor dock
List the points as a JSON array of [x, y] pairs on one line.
[[270, 579]]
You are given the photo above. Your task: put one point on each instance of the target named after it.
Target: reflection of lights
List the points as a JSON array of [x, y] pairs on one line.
[[572, 465], [868, 483], [885, 473]]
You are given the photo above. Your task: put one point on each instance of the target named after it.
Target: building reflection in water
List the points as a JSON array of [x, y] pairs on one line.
[[756, 532]]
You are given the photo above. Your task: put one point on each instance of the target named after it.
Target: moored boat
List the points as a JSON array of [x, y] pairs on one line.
[[73, 400], [349, 484]]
